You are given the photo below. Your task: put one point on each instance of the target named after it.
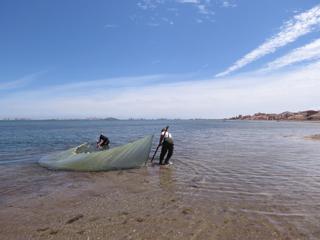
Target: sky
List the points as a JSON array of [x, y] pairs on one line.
[[158, 58]]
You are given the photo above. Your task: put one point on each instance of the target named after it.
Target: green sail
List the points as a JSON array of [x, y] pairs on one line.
[[86, 158]]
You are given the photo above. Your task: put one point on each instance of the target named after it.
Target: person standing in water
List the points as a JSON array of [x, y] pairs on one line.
[[103, 142], [166, 141]]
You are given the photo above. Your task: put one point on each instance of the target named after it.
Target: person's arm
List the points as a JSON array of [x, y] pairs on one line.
[[161, 138], [99, 142]]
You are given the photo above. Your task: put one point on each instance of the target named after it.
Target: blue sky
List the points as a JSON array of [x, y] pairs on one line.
[[157, 58]]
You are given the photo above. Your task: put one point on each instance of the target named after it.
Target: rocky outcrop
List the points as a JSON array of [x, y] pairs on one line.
[[315, 117], [309, 115]]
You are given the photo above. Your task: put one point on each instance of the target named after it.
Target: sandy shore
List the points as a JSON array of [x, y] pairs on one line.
[[143, 203]]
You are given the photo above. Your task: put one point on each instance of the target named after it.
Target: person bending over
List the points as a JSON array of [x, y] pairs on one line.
[[103, 142]]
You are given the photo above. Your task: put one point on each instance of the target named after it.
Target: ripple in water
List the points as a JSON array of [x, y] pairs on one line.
[[263, 169]]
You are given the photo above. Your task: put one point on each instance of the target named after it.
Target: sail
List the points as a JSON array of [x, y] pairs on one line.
[[85, 158]]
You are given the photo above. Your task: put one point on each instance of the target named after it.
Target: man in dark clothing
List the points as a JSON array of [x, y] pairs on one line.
[[167, 146], [103, 142]]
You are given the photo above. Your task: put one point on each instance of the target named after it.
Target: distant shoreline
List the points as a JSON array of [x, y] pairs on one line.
[[60, 119], [303, 116], [110, 119]]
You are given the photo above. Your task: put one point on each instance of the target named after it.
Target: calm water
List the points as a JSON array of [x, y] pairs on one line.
[[261, 168]]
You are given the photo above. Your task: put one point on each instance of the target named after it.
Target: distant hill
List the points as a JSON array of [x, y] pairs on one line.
[[61, 119], [309, 115], [104, 119], [110, 119]]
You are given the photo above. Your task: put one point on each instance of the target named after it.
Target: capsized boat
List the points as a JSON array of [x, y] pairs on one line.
[[86, 158]]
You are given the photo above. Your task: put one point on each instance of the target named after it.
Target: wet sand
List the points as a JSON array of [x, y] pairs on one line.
[[133, 204]]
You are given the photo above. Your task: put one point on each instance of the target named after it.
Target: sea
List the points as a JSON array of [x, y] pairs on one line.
[[268, 166]]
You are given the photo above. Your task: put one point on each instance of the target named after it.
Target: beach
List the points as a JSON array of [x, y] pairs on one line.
[[131, 204], [228, 189]]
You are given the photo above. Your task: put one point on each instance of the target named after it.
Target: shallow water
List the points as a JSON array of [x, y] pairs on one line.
[[262, 169]]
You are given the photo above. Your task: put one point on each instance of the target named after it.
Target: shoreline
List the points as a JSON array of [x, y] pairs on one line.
[[142, 203], [284, 120]]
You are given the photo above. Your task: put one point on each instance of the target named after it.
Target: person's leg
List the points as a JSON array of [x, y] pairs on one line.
[[164, 150], [105, 147], [170, 152]]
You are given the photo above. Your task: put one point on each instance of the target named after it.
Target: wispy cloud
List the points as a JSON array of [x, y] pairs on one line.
[[228, 4], [149, 4], [203, 10], [308, 52], [21, 82], [111, 86], [294, 90], [111, 26], [189, 1], [153, 24], [300, 25]]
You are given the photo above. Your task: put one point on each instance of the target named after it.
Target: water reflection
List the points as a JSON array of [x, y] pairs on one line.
[[166, 180]]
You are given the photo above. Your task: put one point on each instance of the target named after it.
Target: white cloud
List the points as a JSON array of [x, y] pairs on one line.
[[149, 4], [153, 24], [189, 1], [111, 26], [203, 9], [300, 25], [308, 52], [213, 98], [228, 4], [19, 83]]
